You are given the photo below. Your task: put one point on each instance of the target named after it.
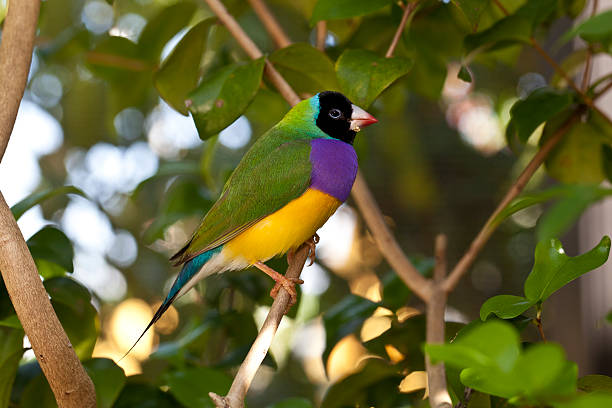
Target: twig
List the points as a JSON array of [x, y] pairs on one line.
[[467, 395], [538, 322], [400, 29], [321, 34], [272, 27], [485, 233], [68, 380], [252, 50], [436, 374], [603, 90], [261, 345], [387, 244]]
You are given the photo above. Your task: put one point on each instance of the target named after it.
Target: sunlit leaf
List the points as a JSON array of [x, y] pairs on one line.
[[307, 69], [224, 95], [179, 73], [363, 75], [36, 198], [108, 379], [553, 269], [504, 306], [51, 244], [336, 9]]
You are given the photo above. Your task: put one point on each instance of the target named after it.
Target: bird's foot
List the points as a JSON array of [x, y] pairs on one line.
[[312, 244], [281, 282]]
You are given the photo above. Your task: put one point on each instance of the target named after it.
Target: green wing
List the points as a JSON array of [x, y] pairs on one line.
[[274, 171]]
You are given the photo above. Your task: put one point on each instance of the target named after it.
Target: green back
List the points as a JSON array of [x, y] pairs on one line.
[[274, 171]]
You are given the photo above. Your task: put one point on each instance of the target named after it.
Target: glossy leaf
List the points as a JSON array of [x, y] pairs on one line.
[[224, 95], [36, 198], [344, 318], [72, 304], [11, 350], [504, 306], [553, 269], [472, 9], [595, 29], [336, 9], [163, 26], [307, 69], [51, 244], [363, 75], [542, 104], [179, 73], [191, 386], [108, 379]]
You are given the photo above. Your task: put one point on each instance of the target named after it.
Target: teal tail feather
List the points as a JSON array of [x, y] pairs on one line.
[[190, 269]]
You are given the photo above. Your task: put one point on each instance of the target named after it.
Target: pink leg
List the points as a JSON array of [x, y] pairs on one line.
[[281, 281]]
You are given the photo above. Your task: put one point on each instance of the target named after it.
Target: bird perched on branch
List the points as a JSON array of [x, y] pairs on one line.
[[283, 190]]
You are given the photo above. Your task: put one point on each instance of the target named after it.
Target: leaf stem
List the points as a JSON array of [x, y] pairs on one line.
[[538, 322], [408, 10]]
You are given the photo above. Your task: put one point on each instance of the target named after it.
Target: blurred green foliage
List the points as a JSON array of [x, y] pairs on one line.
[[430, 167]]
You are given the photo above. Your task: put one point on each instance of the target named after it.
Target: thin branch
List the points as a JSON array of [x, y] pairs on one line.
[[538, 322], [487, 230], [436, 305], [387, 244], [252, 50], [400, 29], [604, 90], [501, 7], [68, 380], [261, 345], [321, 34], [272, 27]]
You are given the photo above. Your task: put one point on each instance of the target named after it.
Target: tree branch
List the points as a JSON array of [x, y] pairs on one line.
[[487, 230], [272, 27], [321, 35], [436, 305], [400, 29], [58, 361], [261, 345]]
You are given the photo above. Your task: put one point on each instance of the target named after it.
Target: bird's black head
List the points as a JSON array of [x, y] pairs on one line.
[[334, 118], [339, 118]]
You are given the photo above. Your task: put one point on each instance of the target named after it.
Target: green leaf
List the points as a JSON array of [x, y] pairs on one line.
[[293, 403], [337, 9], [344, 318], [179, 73], [593, 400], [472, 9], [51, 244], [108, 379], [144, 396], [542, 104], [350, 390], [11, 350], [595, 382], [504, 306], [72, 304], [11, 321], [192, 385], [163, 26], [307, 69], [553, 269], [36, 198], [117, 59], [363, 75], [606, 160], [464, 74], [507, 31], [224, 95], [527, 200], [563, 214], [596, 29]]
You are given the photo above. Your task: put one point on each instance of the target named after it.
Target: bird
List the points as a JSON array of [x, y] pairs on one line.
[[287, 185]]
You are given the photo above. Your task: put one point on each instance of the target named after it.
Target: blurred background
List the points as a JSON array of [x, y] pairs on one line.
[[437, 162]]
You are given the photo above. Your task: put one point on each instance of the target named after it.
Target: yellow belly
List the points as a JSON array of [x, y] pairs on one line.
[[284, 229]]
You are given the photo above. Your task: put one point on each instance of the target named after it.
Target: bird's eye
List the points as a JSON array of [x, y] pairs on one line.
[[335, 113]]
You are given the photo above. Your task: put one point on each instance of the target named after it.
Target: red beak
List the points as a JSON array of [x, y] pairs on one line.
[[361, 118]]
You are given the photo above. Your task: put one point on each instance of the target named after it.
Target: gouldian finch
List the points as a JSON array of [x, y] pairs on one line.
[[284, 189]]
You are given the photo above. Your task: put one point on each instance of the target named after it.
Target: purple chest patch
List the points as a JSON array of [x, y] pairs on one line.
[[334, 167]]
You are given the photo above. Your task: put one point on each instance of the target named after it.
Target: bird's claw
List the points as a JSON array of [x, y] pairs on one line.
[[312, 244], [289, 285]]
